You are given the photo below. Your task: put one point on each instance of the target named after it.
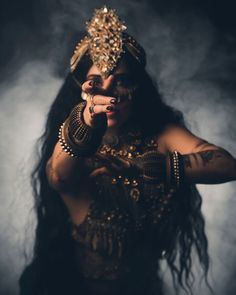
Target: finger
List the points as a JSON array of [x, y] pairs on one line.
[[109, 165], [119, 162], [86, 86], [89, 87], [114, 161], [99, 171], [98, 109], [104, 100], [103, 158], [87, 96]]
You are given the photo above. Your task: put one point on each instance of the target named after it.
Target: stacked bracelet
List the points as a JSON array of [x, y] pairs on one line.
[[66, 148], [176, 169], [78, 139], [157, 167], [152, 164]]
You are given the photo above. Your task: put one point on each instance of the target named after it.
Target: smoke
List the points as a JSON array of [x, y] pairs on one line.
[[191, 60], [24, 106]]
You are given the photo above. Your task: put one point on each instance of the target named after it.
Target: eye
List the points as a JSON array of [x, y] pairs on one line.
[[120, 82], [97, 81], [124, 81]]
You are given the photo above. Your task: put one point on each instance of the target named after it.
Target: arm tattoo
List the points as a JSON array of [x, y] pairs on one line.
[[206, 156], [226, 154], [195, 156], [187, 161], [210, 166], [197, 159]]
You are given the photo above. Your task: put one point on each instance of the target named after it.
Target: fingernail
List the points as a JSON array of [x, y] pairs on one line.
[[110, 108], [90, 83], [113, 101]]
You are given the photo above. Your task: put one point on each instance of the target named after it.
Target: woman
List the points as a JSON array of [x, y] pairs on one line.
[[115, 193]]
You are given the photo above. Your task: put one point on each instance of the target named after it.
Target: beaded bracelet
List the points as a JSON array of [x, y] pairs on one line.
[[64, 145], [176, 169]]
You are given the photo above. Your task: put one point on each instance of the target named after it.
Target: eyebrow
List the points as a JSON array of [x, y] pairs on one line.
[[121, 75]]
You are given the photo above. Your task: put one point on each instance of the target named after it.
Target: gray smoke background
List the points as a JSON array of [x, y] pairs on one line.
[[191, 53]]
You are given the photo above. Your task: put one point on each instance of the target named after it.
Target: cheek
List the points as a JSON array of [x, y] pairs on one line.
[[128, 110], [125, 108], [124, 112]]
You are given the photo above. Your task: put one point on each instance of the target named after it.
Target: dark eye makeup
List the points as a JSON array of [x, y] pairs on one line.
[[121, 80], [96, 80]]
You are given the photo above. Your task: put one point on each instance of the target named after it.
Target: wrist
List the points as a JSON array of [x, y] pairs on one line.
[[76, 137], [159, 168], [175, 170], [87, 118]]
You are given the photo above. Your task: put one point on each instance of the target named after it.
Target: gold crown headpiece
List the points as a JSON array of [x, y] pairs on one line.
[[106, 42]]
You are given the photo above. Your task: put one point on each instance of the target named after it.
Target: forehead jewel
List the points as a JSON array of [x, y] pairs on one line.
[[106, 41]]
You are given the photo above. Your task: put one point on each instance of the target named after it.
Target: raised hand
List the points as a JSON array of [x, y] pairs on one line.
[[97, 103]]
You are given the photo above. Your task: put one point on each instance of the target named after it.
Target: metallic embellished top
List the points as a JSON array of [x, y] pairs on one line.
[[106, 41], [126, 214]]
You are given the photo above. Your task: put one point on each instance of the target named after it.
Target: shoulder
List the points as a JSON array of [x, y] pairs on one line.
[[181, 139]]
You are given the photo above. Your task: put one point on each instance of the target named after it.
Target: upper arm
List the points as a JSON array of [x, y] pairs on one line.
[[63, 172], [53, 179], [177, 138], [73, 198]]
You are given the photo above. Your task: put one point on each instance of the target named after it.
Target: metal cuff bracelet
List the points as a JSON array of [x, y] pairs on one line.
[[76, 138]]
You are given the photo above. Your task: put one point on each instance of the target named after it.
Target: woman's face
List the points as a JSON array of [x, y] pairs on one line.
[[118, 85]]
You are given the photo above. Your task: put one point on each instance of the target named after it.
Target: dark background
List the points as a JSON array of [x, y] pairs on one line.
[[28, 26], [191, 50]]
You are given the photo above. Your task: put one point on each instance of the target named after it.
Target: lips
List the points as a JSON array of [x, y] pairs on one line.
[[111, 114]]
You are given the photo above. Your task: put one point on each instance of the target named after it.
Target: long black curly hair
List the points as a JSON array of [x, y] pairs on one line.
[[52, 270]]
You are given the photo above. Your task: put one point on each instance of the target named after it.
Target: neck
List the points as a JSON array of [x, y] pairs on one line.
[[113, 131], [119, 130]]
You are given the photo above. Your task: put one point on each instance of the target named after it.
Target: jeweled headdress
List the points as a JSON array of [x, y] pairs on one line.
[[106, 41]]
